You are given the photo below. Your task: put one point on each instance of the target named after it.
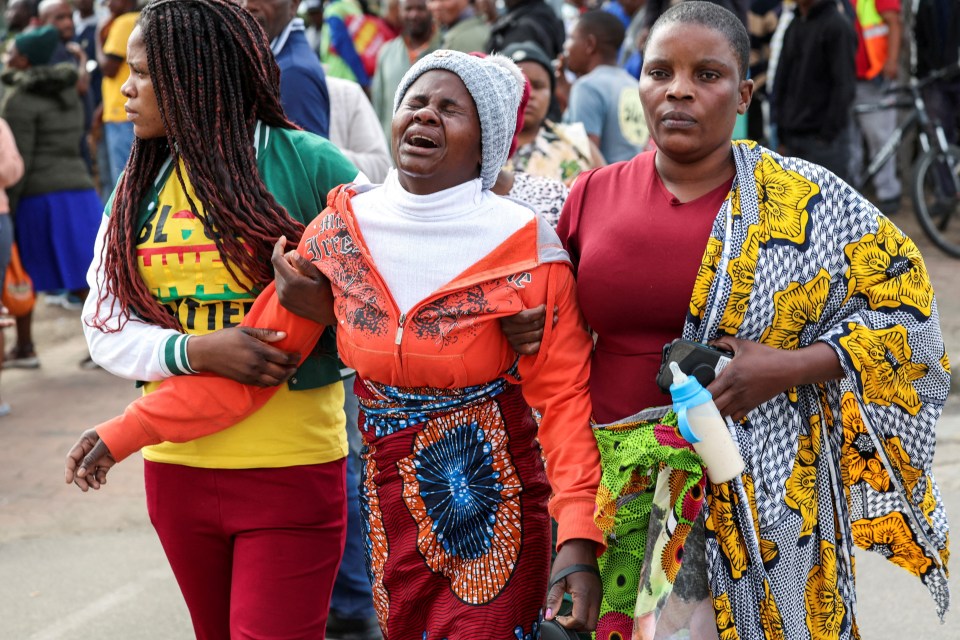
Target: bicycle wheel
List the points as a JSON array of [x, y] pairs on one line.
[[936, 199]]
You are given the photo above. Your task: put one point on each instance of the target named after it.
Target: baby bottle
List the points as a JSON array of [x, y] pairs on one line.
[[702, 426]]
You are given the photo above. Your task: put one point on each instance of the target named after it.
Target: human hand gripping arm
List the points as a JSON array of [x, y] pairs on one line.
[[186, 408], [137, 350], [301, 288], [524, 329], [758, 373], [555, 381], [242, 353]]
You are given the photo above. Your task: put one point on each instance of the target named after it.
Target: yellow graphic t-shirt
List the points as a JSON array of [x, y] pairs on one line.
[[116, 45], [180, 264]]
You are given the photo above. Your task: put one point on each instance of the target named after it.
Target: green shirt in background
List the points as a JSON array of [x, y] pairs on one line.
[[392, 62], [468, 35]]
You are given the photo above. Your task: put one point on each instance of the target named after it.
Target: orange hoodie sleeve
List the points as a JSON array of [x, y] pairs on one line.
[[555, 381], [185, 408]]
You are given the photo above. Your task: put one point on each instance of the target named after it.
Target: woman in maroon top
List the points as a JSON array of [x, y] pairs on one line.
[[636, 232], [636, 259], [839, 370]]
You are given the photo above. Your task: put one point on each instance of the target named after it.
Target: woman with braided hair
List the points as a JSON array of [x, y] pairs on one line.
[[252, 518]]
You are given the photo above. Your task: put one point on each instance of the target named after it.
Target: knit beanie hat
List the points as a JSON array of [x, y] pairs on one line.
[[495, 84], [38, 45], [524, 99]]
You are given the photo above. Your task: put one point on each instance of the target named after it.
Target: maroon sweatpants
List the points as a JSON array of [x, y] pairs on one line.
[[255, 551]]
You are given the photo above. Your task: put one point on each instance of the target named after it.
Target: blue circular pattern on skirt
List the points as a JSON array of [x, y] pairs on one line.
[[460, 490], [366, 493]]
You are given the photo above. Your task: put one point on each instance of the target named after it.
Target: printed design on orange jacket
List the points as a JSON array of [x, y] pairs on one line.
[[360, 305], [447, 318], [462, 489]]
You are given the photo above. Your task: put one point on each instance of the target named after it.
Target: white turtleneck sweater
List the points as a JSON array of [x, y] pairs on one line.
[[420, 243]]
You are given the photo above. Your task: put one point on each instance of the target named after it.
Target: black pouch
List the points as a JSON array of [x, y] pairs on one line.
[[553, 630], [695, 359]]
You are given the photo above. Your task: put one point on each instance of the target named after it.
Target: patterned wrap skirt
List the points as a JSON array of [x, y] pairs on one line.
[[454, 508]]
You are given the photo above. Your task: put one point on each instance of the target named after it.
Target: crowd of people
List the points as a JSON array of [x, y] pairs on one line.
[[394, 277]]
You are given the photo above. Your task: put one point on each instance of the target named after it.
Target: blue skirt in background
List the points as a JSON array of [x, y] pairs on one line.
[[55, 233]]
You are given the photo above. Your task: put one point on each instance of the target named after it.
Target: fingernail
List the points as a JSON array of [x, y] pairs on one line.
[[549, 614]]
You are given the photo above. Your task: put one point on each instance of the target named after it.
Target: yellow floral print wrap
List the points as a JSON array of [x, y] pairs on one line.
[[797, 256]]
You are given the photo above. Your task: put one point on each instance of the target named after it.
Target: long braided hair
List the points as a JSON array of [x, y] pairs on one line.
[[214, 76]]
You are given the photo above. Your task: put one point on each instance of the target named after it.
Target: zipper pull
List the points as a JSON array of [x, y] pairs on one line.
[[403, 318]]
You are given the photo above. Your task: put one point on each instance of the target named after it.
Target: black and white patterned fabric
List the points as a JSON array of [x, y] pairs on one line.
[[798, 256]]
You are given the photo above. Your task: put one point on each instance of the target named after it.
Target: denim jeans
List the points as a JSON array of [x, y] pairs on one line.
[[119, 137]]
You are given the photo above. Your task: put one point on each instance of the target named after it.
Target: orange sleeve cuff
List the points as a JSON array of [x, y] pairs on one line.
[[575, 520], [125, 434]]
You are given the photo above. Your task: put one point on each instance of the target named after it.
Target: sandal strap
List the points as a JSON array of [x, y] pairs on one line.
[[574, 568]]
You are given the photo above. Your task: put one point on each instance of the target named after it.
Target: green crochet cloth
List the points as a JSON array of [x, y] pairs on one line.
[[648, 469]]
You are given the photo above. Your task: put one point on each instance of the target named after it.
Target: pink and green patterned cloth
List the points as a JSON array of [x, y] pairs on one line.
[[651, 491]]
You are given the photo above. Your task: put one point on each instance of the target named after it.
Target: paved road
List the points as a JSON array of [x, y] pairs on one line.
[[71, 564], [74, 565]]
